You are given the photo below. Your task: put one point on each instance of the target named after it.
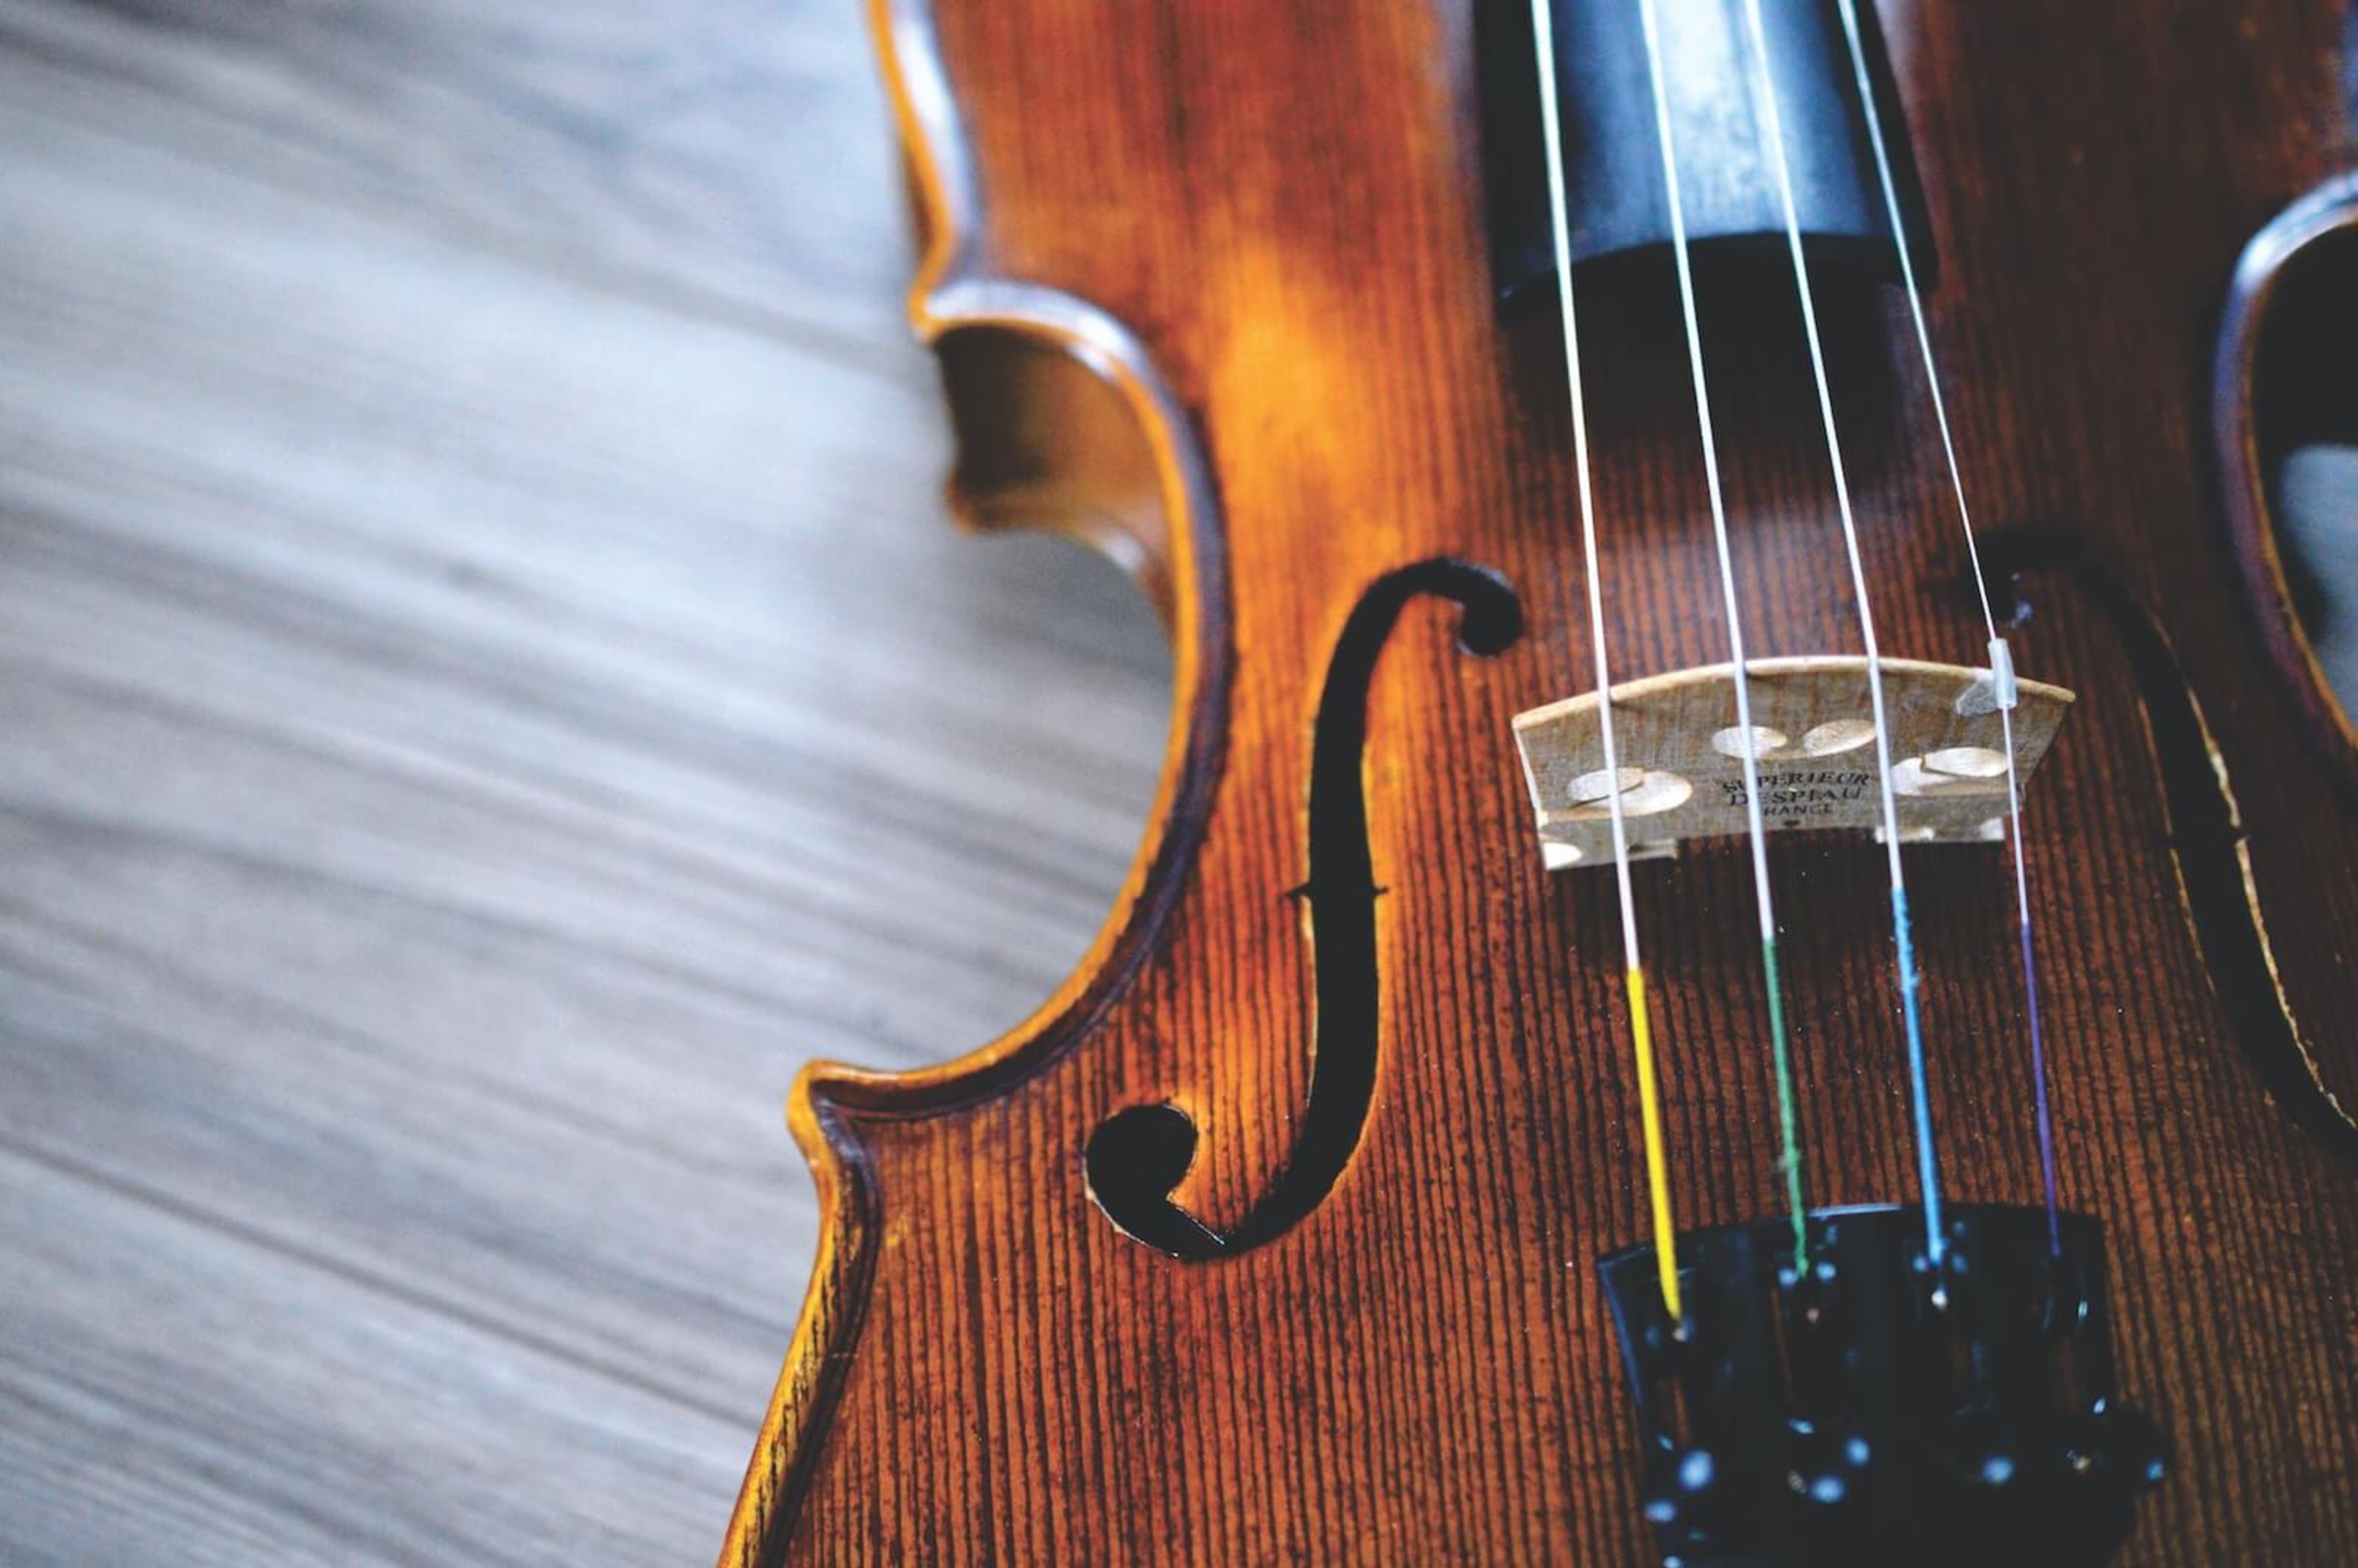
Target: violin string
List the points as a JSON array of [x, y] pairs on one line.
[[1788, 1129], [1657, 1179], [1928, 1170], [1999, 659]]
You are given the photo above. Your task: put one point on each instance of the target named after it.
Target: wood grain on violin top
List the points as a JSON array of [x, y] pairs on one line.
[[484, 692], [1260, 226]]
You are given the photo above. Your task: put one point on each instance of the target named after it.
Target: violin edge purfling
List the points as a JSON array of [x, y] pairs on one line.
[[1423, 1359]]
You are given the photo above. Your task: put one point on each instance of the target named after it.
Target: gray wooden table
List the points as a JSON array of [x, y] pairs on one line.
[[485, 689]]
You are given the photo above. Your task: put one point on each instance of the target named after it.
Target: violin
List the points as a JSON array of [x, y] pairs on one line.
[[1748, 948]]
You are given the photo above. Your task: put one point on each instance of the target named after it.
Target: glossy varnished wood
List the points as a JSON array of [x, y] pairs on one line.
[[1259, 225], [472, 591]]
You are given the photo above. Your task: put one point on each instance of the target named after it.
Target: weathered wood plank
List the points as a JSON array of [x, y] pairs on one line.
[[728, 155], [485, 690], [179, 1392]]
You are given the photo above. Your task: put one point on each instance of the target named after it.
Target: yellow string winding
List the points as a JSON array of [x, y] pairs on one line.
[[1657, 1165]]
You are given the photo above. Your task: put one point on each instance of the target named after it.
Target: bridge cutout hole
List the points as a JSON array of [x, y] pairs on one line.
[[1591, 787], [1967, 761], [1766, 741], [1645, 791], [1837, 735], [1952, 770]]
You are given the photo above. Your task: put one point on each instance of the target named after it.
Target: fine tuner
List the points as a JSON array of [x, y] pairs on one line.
[[1647, 432], [1861, 1441]]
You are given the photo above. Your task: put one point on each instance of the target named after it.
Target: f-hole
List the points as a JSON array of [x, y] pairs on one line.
[[2205, 831], [1137, 1156]]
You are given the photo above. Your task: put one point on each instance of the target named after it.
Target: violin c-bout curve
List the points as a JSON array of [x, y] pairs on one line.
[[991, 331]]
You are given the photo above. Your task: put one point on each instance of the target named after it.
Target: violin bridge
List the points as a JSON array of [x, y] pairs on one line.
[[1681, 754]]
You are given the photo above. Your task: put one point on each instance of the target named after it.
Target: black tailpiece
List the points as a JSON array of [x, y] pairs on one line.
[[1877, 1407]]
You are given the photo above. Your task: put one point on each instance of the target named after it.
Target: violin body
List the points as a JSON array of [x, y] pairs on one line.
[[1211, 286]]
